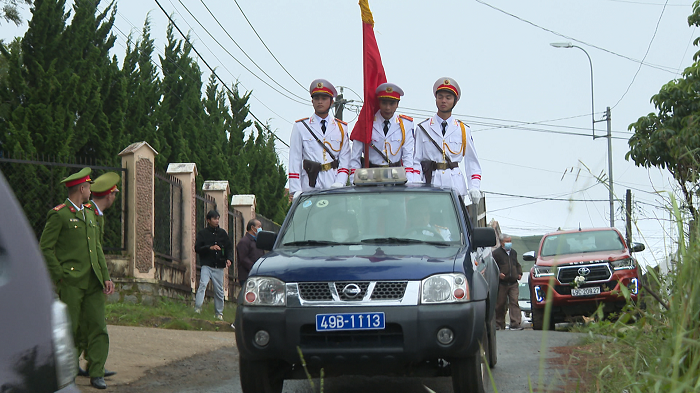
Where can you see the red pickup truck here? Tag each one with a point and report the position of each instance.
(586, 268)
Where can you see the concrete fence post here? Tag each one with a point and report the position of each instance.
(186, 173)
(139, 159)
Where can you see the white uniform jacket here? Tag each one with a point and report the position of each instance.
(457, 144)
(304, 146)
(397, 145)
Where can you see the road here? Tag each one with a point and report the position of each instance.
(216, 371)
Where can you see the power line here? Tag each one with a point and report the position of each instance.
(656, 29)
(548, 199)
(261, 40)
(215, 74)
(662, 68)
(300, 99)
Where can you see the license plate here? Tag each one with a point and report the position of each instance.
(350, 321)
(585, 291)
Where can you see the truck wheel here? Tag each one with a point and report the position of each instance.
(260, 376)
(469, 374)
(537, 318)
(493, 353)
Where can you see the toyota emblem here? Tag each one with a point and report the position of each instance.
(584, 271)
(351, 291)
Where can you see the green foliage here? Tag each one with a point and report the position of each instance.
(168, 314)
(9, 10)
(670, 139)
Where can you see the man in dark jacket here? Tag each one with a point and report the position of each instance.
(247, 250)
(511, 271)
(215, 251)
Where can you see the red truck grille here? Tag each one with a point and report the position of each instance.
(598, 272)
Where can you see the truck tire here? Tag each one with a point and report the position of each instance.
(259, 376)
(538, 320)
(469, 374)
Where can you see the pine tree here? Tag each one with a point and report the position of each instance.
(212, 160)
(235, 151)
(268, 174)
(180, 114)
(144, 85)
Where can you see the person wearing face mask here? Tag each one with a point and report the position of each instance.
(247, 250)
(511, 271)
(215, 251)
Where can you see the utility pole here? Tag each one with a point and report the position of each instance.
(611, 192)
(339, 105)
(628, 209)
(610, 169)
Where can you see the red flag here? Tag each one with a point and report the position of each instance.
(374, 76)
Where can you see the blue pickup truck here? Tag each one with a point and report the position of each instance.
(381, 278)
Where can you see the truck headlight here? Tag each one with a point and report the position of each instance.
(265, 291)
(445, 288)
(627, 263)
(543, 271)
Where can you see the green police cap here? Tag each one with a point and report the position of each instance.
(78, 178)
(105, 184)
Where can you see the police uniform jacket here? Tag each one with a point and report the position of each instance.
(100, 217)
(397, 145)
(457, 144)
(304, 146)
(71, 246)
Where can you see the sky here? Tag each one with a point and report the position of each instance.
(528, 104)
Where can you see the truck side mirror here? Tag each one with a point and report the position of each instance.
(483, 237)
(637, 247)
(529, 256)
(266, 240)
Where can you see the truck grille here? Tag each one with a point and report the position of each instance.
(321, 291)
(391, 337)
(599, 272)
(315, 291)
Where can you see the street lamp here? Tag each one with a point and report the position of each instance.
(567, 45)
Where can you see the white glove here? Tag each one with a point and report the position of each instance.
(337, 185)
(296, 195)
(475, 196)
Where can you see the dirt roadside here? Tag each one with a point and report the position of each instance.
(135, 352)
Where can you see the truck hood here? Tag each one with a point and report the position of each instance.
(586, 257)
(359, 262)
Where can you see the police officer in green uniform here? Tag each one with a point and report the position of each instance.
(103, 193)
(73, 253)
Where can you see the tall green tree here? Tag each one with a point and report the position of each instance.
(212, 160)
(670, 138)
(268, 175)
(144, 84)
(240, 179)
(180, 114)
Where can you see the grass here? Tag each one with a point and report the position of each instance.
(169, 314)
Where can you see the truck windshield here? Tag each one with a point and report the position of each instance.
(581, 242)
(374, 217)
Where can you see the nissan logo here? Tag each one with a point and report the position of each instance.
(584, 271)
(351, 291)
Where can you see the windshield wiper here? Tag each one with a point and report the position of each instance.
(402, 240)
(315, 243)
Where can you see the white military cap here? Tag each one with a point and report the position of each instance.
(389, 90)
(447, 84)
(322, 86)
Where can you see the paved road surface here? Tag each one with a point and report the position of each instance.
(217, 372)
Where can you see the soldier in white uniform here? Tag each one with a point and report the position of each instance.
(392, 135)
(319, 152)
(443, 143)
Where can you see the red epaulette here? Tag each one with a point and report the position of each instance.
(340, 121)
(406, 117)
(89, 206)
(301, 120)
(59, 207)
